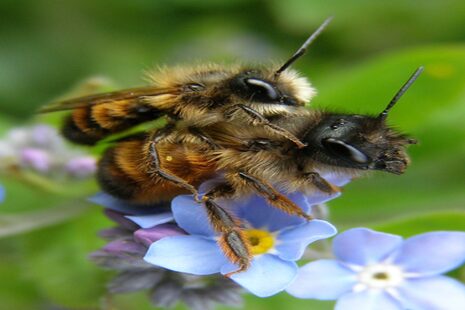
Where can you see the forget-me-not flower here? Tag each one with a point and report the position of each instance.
(128, 243)
(277, 241)
(375, 270)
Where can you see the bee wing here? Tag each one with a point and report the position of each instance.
(126, 94)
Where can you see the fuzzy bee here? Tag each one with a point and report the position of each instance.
(253, 161)
(193, 98)
(198, 96)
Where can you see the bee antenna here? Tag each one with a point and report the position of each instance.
(304, 47)
(383, 115)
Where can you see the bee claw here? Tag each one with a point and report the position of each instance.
(197, 198)
(308, 217)
(241, 269)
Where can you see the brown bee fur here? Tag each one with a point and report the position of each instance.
(199, 96)
(125, 170)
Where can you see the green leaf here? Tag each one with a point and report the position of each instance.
(368, 87)
(432, 111)
(451, 221)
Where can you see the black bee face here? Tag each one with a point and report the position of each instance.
(255, 86)
(360, 142)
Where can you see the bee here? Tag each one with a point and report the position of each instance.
(198, 95)
(193, 98)
(253, 161)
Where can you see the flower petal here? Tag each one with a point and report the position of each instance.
(191, 216)
(256, 211)
(432, 293)
(190, 254)
(2, 194)
(120, 219)
(368, 300)
(338, 179)
(110, 202)
(82, 166)
(148, 221)
(267, 275)
(150, 235)
(35, 158)
(319, 198)
(294, 240)
(124, 247)
(322, 279)
(431, 253)
(307, 201)
(362, 246)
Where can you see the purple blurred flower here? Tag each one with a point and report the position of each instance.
(147, 236)
(41, 148)
(35, 159)
(81, 167)
(278, 241)
(375, 270)
(124, 254)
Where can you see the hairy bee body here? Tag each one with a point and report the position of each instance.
(198, 96)
(245, 128)
(125, 170)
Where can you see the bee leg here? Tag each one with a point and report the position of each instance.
(204, 137)
(156, 138)
(233, 243)
(261, 120)
(319, 182)
(275, 198)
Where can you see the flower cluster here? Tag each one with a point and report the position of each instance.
(277, 240)
(172, 251)
(182, 240)
(41, 149)
(129, 242)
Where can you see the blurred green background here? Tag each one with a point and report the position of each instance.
(357, 64)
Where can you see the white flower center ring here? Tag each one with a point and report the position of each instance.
(379, 276)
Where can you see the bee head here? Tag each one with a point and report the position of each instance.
(360, 142)
(260, 86)
(277, 86)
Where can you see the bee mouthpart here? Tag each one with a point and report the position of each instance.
(392, 166)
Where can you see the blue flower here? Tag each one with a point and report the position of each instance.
(2, 194)
(279, 240)
(122, 206)
(374, 270)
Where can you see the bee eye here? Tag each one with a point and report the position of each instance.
(342, 149)
(262, 87)
(194, 87)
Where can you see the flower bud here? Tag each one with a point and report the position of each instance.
(150, 235)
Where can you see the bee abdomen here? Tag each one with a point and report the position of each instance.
(127, 170)
(90, 124)
(113, 179)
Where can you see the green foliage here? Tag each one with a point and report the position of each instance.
(357, 65)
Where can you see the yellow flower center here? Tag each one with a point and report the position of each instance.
(261, 241)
